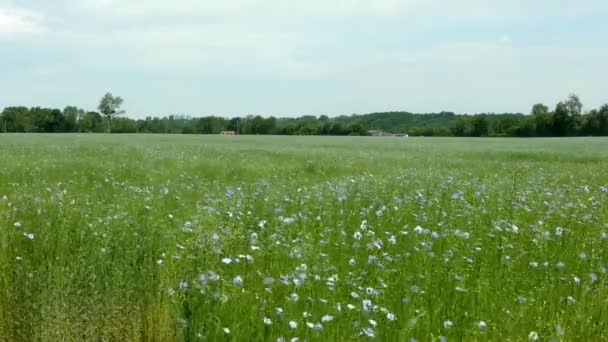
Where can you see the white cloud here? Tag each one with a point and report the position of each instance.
(15, 21)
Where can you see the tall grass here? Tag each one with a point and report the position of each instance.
(186, 238)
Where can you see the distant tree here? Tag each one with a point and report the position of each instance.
(71, 115)
(481, 126)
(603, 120)
(540, 109)
(109, 106)
(566, 119)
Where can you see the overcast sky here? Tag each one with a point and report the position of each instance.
(289, 58)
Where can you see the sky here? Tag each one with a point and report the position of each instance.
(314, 57)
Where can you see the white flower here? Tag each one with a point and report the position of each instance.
(482, 325)
(373, 323)
(226, 330)
(448, 324)
(227, 261)
(367, 304)
(170, 292)
(327, 318)
(350, 307)
(17, 224)
(29, 236)
(267, 321)
(390, 316)
(354, 295)
(293, 324)
(369, 332)
(357, 235)
(533, 336)
(237, 281)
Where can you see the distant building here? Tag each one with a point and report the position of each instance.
(381, 133)
(228, 133)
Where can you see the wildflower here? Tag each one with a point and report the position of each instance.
(293, 324)
(29, 236)
(17, 224)
(373, 323)
(170, 292)
(593, 277)
(226, 330)
(369, 332)
(357, 235)
(390, 316)
(482, 324)
(267, 321)
(327, 318)
(350, 307)
(237, 281)
(367, 304)
(533, 336)
(448, 324)
(227, 261)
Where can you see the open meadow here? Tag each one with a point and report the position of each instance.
(214, 238)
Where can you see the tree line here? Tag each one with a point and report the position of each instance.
(566, 119)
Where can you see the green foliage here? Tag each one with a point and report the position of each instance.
(568, 119)
(109, 106)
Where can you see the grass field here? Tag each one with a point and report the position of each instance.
(188, 238)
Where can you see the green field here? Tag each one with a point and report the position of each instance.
(211, 238)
